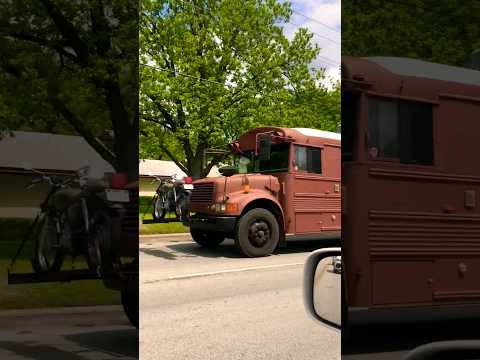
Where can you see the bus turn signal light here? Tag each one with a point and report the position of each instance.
(232, 207)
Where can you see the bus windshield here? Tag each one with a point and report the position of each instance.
(247, 162)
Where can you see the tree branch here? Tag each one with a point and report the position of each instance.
(166, 115)
(42, 42)
(67, 30)
(174, 159)
(80, 127)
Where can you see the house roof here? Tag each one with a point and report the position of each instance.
(50, 152)
(149, 167)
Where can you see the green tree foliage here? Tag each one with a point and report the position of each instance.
(439, 31)
(72, 67)
(219, 68)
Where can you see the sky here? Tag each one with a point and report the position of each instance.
(325, 23)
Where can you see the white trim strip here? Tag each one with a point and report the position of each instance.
(228, 271)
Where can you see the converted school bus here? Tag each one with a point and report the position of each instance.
(286, 185)
(410, 184)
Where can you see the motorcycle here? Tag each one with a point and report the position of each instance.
(79, 216)
(172, 195)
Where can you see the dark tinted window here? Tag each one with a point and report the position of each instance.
(278, 161)
(308, 159)
(401, 130)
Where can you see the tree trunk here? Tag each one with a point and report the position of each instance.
(196, 165)
(127, 155)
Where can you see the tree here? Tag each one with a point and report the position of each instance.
(213, 69)
(72, 67)
(447, 31)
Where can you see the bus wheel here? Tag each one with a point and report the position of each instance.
(207, 239)
(257, 233)
(130, 306)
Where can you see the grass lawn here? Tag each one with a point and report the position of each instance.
(169, 228)
(78, 293)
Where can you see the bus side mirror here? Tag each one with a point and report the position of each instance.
(265, 147)
(227, 171)
(322, 286)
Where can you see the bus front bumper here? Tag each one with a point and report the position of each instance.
(225, 224)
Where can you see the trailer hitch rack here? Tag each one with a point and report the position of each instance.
(60, 276)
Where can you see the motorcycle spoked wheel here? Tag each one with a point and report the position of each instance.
(160, 206)
(47, 253)
(181, 208)
(100, 252)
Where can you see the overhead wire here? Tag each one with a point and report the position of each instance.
(315, 20)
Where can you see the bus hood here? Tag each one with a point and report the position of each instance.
(221, 189)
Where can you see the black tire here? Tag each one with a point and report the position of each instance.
(100, 254)
(159, 211)
(130, 306)
(257, 233)
(47, 254)
(207, 239)
(181, 208)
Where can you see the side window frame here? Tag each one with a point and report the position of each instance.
(402, 146)
(307, 170)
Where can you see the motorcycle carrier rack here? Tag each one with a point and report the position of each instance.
(122, 277)
(60, 276)
(159, 221)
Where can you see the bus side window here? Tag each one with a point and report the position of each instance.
(308, 159)
(401, 130)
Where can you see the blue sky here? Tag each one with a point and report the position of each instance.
(325, 23)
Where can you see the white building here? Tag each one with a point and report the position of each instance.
(149, 169)
(52, 154)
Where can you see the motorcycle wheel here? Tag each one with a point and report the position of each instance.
(47, 253)
(99, 244)
(181, 208)
(159, 208)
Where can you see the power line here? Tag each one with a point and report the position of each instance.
(313, 32)
(175, 72)
(315, 20)
(328, 60)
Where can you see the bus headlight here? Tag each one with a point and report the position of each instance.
(226, 207)
(220, 207)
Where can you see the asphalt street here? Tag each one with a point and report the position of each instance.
(212, 304)
(86, 333)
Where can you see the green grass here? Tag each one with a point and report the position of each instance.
(78, 293)
(145, 211)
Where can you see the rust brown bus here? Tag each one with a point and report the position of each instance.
(410, 184)
(285, 185)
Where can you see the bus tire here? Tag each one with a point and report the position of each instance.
(257, 233)
(130, 306)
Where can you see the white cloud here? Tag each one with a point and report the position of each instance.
(324, 22)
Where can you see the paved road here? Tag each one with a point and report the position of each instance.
(90, 333)
(201, 304)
